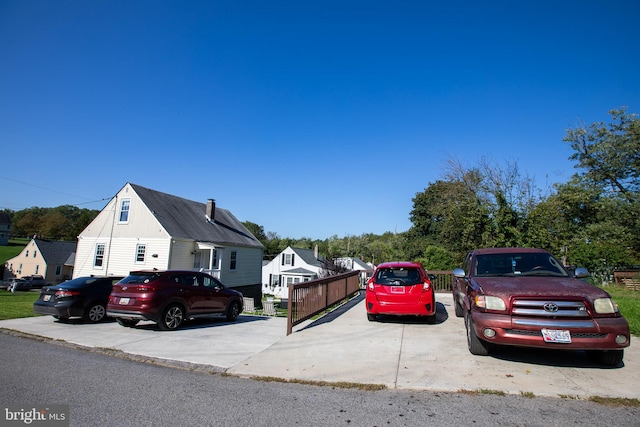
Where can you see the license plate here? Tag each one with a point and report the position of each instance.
(397, 289)
(46, 298)
(124, 301)
(556, 335)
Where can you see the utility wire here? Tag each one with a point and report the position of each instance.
(56, 191)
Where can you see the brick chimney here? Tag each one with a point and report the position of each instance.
(211, 209)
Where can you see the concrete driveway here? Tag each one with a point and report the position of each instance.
(344, 347)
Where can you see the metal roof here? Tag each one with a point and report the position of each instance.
(187, 219)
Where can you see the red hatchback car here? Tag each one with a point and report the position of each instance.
(400, 289)
(171, 297)
(525, 297)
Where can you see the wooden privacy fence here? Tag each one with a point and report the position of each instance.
(310, 298)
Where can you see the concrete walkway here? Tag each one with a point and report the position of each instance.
(345, 347)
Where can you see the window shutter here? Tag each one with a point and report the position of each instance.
(282, 259)
(293, 256)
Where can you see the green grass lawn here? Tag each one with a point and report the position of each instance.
(629, 304)
(13, 249)
(18, 304)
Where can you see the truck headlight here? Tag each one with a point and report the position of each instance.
(605, 306)
(490, 303)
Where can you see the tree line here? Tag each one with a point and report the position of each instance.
(59, 223)
(593, 220)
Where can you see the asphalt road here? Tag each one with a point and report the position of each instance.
(104, 390)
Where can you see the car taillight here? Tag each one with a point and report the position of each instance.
(426, 285)
(370, 284)
(65, 293)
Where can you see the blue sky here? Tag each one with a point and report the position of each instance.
(309, 118)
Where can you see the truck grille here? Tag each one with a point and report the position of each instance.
(595, 335)
(547, 308)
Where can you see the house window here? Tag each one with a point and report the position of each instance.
(35, 253)
(289, 281)
(234, 260)
(275, 280)
(215, 259)
(58, 270)
(124, 210)
(288, 259)
(26, 254)
(37, 268)
(99, 257)
(140, 253)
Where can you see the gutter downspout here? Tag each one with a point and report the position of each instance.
(115, 206)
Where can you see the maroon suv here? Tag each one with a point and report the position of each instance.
(525, 297)
(170, 297)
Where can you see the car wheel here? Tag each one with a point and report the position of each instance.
(233, 311)
(476, 346)
(128, 323)
(606, 357)
(171, 318)
(458, 307)
(371, 317)
(95, 313)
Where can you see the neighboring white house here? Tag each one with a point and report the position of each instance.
(356, 264)
(292, 265)
(144, 229)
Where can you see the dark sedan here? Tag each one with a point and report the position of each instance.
(84, 297)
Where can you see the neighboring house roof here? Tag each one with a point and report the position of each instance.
(299, 271)
(55, 253)
(308, 256)
(71, 260)
(354, 263)
(186, 219)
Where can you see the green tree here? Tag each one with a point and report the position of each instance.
(609, 155)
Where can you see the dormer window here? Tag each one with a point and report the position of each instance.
(125, 204)
(288, 259)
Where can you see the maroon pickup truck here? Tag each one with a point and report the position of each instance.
(525, 297)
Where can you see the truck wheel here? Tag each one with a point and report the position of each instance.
(606, 357)
(476, 346)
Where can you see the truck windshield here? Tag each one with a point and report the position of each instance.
(518, 264)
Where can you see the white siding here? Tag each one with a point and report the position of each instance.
(120, 256)
(248, 268)
(181, 255)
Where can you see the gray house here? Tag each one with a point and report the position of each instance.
(5, 228)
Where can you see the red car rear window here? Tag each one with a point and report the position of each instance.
(138, 278)
(398, 276)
